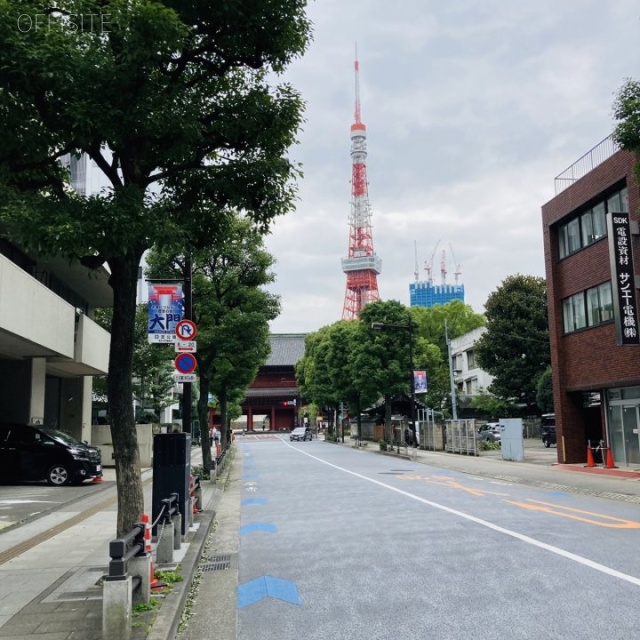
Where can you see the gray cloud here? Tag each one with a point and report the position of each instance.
(471, 110)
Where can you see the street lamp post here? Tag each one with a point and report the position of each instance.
(380, 326)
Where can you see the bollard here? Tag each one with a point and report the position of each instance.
(177, 528)
(165, 546)
(117, 602)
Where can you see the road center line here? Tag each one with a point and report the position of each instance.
(484, 523)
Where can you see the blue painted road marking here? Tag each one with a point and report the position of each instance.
(254, 501)
(267, 586)
(257, 526)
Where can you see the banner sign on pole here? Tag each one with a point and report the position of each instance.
(420, 381)
(165, 311)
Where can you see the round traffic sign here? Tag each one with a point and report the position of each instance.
(185, 363)
(186, 330)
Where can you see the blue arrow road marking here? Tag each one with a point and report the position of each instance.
(259, 588)
(254, 501)
(257, 526)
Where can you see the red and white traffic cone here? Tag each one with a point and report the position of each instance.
(97, 480)
(154, 583)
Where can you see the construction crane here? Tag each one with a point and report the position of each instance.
(428, 265)
(443, 267)
(458, 270)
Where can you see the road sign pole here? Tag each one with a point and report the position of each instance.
(188, 314)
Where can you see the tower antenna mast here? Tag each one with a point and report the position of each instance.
(362, 265)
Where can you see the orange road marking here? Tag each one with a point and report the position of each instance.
(568, 512)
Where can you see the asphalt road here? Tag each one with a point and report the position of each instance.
(334, 542)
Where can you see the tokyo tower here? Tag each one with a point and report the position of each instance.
(362, 265)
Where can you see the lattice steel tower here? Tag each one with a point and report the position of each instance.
(362, 265)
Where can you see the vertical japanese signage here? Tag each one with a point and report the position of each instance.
(165, 311)
(622, 279)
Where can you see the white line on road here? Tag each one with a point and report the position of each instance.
(514, 534)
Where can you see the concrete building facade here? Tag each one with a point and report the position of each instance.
(49, 344)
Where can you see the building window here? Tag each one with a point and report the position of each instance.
(588, 308)
(591, 225)
(471, 359)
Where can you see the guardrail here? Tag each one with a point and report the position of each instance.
(131, 572)
(129, 578)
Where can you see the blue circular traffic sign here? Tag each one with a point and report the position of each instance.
(185, 363)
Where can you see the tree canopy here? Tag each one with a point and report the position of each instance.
(232, 313)
(515, 347)
(177, 106)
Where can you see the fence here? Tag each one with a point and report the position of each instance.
(129, 576)
(131, 568)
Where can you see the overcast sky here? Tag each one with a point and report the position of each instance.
(471, 111)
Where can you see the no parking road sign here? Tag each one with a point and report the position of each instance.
(185, 363)
(186, 330)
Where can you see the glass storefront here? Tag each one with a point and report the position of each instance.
(623, 417)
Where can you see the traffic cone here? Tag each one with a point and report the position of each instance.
(97, 480)
(590, 462)
(154, 583)
(610, 464)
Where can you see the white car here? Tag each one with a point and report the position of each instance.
(300, 433)
(490, 432)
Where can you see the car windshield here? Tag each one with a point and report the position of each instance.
(59, 436)
(299, 430)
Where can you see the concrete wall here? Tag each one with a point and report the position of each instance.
(101, 438)
(30, 310)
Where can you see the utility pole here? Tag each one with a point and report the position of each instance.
(454, 404)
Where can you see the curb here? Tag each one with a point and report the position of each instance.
(165, 626)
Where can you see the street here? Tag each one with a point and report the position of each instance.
(336, 542)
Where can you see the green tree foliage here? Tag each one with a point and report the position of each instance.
(544, 392)
(626, 110)
(515, 347)
(177, 106)
(459, 318)
(232, 313)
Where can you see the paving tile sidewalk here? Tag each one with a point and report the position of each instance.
(51, 591)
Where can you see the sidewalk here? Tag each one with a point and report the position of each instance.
(539, 468)
(52, 567)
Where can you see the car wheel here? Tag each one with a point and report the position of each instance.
(547, 442)
(58, 475)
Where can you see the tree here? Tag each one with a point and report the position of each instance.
(175, 104)
(544, 391)
(232, 313)
(626, 109)
(515, 347)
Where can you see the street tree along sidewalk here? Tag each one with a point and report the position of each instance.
(174, 103)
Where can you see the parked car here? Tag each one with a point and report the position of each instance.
(490, 432)
(300, 433)
(548, 429)
(29, 452)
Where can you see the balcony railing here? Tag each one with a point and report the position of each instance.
(586, 163)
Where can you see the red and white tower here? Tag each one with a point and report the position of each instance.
(362, 265)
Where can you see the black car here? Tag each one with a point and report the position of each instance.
(548, 429)
(29, 452)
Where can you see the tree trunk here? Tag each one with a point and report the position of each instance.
(203, 418)
(224, 422)
(123, 280)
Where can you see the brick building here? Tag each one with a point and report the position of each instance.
(591, 247)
